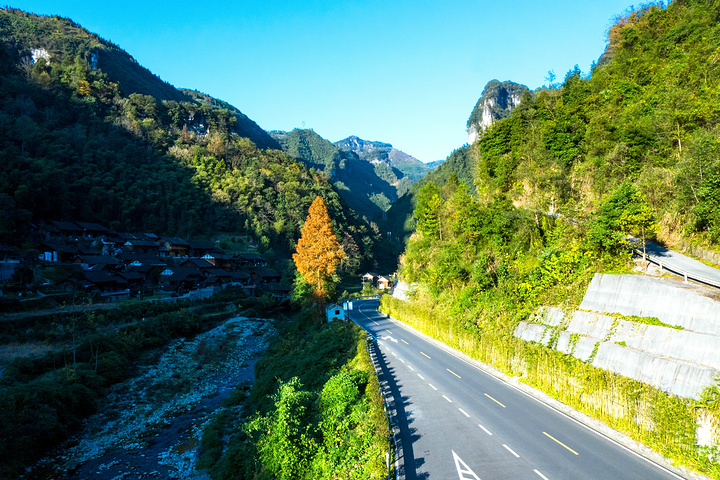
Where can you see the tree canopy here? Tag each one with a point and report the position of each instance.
(318, 251)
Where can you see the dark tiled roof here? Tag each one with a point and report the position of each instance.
(239, 275)
(69, 226)
(219, 272)
(96, 227)
(176, 241)
(142, 243)
(250, 257)
(58, 247)
(182, 273)
(130, 276)
(199, 262)
(99, 259)
(267, 273)
(102, 277)
(7, 248)
(202, 245)
(127, 236)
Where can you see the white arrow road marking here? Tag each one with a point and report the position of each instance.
(388, 337)
(464, 472)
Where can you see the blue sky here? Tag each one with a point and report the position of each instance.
(403, 72)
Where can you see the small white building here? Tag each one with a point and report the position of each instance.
(335, 312)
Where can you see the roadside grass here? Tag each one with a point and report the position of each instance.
(314, 412)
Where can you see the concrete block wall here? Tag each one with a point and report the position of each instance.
(671, 301)
(681, 362)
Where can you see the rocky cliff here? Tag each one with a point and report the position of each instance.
(498, 99)
(380, 152)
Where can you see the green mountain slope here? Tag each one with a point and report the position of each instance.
(648, 116)
(23, 33)
(73, 146)
(460, 166)
(370, 194)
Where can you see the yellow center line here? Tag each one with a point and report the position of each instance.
(453, 373)
(558, 441)
(388, 331)
(491, 398)
(425, 354)
(376, 323)
(406, 343)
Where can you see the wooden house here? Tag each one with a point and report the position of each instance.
(370, 278)
(92, 230)
(177, 247)
(56, 252)
(265, 276)
(251, 260)
(147, 247)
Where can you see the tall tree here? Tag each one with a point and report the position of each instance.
(318, 251)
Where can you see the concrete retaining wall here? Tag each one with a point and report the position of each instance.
(673, 302)
(673, 375)
(670, 375)
(680, 361)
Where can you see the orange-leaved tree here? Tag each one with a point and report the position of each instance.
(318, 252)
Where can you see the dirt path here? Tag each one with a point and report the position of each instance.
(152, 424)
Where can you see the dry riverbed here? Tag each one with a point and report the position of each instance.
(151, 425)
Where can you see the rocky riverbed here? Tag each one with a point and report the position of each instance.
(150, 426)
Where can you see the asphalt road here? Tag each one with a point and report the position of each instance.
(680, 261)
(457, 422)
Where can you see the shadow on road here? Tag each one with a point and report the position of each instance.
(409, 463)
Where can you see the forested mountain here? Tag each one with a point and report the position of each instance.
(460, 166)
(368, 188)
(648, 117)
(131, 152)
(387, 159)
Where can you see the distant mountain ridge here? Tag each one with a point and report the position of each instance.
(369, 175)
(376, 152)
(356, 180)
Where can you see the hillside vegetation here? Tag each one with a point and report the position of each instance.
(460, 164)
(630, 149)
(315, 411)
(370, 176)
(76, 143)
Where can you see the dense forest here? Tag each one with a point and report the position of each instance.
(75, 144)
(400, 219)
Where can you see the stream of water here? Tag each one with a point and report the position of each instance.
(152, 424)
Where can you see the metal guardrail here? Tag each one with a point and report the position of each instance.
(679, 271)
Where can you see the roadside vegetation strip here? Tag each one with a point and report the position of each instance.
(664, 423)
(325, 418)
